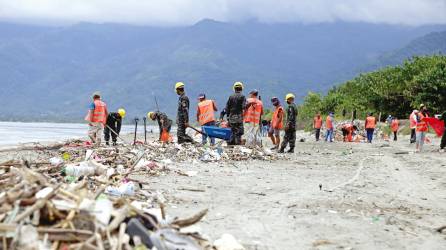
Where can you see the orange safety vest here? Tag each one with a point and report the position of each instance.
(422, 125)
(253, 113)
(206, 109)
(394, 125)
(371, 122)
(348, 127)
(276, 124)
(413, 122)
(317, 122)
(328, 123)
(99, 112)
(349, 136)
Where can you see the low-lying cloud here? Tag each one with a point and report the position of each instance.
(185, 12)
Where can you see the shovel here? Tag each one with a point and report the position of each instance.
(145, 129)
(114, 132)
(136, 130)
(198, 131)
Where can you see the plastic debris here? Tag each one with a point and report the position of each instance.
(56, 161)
(227, 242)
(76, 197)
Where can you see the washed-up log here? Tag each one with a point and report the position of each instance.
(190, 221)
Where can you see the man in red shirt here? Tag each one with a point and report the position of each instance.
(317, 125)
(276, 123)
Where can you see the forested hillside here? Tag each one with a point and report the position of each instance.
(395, 90)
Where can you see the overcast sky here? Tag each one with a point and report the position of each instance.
(185, 12)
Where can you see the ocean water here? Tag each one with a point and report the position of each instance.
(13, 133)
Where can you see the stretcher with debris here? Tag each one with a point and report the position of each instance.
(217, 132)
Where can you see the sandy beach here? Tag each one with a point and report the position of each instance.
(326, 196)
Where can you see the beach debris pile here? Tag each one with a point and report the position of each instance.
(160, 153)
(39, 211)
(78, 197)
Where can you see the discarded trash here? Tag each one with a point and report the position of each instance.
(43, 192)
(103, 209)
(85, 198)
(227, 242)
(191, 173)
(66, 156)
(136, 228)
(56, 161)
(84, 169)
(125, 189)
(77, 216)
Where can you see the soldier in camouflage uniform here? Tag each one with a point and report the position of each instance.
(235, 108)
(290, 125)
(182, 114)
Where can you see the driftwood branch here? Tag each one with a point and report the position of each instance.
(190, 221)
(38, 205)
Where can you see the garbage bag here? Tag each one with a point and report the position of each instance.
(170, 239)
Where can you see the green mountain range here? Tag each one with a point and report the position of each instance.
(49, 73)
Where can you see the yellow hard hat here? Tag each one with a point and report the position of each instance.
(179, 85)
(121, 112)
(238, 85)
(149, 115)
(288, 96)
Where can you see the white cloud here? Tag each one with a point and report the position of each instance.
(185, 12)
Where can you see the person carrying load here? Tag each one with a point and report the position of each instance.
(206, 116)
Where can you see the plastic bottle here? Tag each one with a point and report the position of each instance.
(56, 161)
(83, 169)
(125, 189)
(103, 209)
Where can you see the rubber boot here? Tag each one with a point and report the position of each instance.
(282, 150)
(107, 143)
(291, 150)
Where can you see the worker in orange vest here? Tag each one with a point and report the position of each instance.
(394, 125)
(347, 132)
(276, 123)
(422, 127)
(205, 115)
(253, 113)
(413, 125)
(329, 126)
(370, 125)
(96, 117)
(317, 125)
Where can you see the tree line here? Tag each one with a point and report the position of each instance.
(394, 90)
